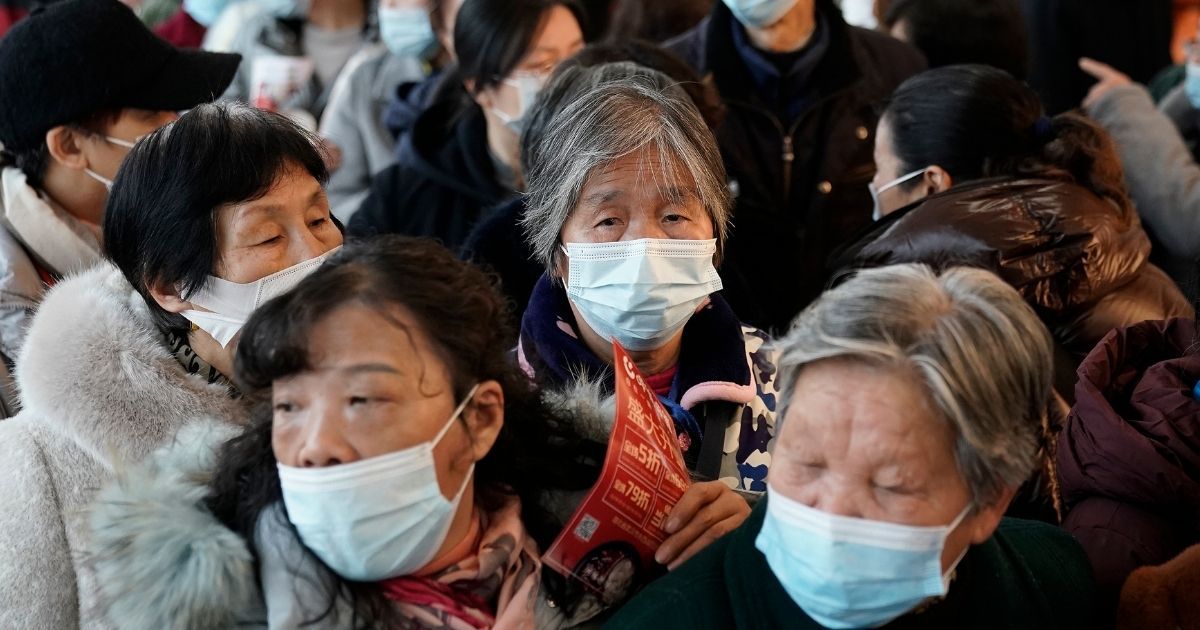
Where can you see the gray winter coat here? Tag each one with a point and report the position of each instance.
(32, 226)
(100, 391)
(353, 120)
(1163, 177)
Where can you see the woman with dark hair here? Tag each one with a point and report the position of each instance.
(394, 475)
(971, 171)
(208, 216)
(497, 241)
(463, 155)
(413, 45)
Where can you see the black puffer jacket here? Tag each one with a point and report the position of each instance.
(1080, 261)
(800, 185)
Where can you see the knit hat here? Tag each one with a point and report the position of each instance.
(74, 58)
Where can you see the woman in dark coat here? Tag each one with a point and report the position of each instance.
(1129, 456)
(971, 172)
(462, 157)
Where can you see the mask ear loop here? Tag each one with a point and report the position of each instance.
(446, 429)
(457, 412)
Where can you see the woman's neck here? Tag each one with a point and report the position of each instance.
(211, 352)
(649, 362)
(790, 33)
(336, 15)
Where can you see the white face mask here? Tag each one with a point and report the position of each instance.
(528, 86)
(407, 32)
(377, 518)
(230, 304)
(108, 183)
(641, 292)
(877, 211)
(852, 572)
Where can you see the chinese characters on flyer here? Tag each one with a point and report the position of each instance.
(609, 543)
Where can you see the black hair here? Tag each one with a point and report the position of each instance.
(160, 222)
(646, 54)
(492, 36)
(34, 162)
(656, 20)
(458, 308)
(990, 32)
(977, 121)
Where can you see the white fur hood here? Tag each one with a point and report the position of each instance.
(95, 368)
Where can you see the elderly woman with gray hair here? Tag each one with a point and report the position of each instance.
(628, 212)
(912, 409)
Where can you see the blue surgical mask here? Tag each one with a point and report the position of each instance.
(759, 13)
(528, 86)
(641, 292)
(406, 32)
(205, 12)
(285, 8)
(877, 210)
(1191, 84)
(850, 572)
(377, 518)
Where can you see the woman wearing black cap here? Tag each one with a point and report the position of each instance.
(82, 81)
(209, 217)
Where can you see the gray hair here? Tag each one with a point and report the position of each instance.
(980, 351)
(621, 109)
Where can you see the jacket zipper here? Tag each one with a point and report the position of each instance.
(788, 156)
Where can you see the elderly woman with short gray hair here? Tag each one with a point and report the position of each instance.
(912, 409)
(628, 210)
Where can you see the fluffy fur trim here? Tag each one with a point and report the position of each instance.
(95, 368)
(161, 560)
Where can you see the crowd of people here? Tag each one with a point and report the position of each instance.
(310, 311)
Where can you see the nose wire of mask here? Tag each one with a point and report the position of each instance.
(229, 304)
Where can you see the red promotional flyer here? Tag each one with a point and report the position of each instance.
(609, 543)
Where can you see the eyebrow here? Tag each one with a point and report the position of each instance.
(369, 368)
(602, 197)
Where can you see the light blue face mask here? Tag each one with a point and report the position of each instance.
(1191, 84)
(407, 32)
(641, 292)
(205, 12)
(285, 8)
(851, 572)
(759, 13)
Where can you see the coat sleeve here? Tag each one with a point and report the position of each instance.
(1163, 177)
(37, 576)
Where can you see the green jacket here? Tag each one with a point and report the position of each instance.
(1029, 575)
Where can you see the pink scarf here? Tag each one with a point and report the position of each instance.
(494, 588)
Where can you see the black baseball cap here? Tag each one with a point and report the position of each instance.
(74, 58)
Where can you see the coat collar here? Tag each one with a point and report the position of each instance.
(58, 241)
(837, 69)
(96, 369)
(713, 364)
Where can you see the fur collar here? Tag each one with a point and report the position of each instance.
(161, 559)
(96, 369)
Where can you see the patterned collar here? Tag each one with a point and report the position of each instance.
(193, 364)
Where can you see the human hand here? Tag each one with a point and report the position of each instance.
(706, 512)
(1108, 79)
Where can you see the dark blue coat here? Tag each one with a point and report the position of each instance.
(801, 184)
